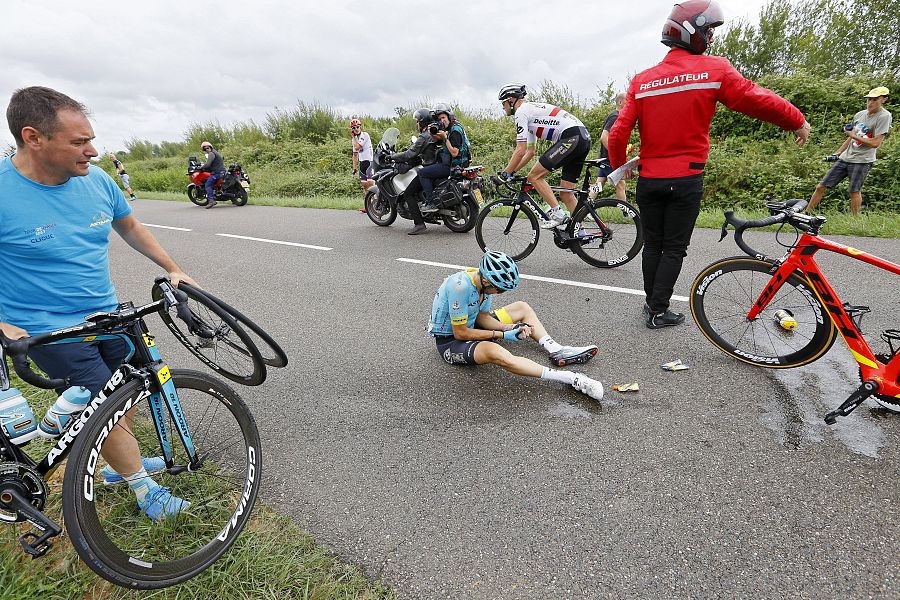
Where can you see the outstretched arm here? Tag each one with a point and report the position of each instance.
(138, 237)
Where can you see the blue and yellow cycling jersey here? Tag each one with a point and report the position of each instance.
(456, 303)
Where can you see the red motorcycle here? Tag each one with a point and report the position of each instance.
(234, 185)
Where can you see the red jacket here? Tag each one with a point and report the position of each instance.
(673, 104)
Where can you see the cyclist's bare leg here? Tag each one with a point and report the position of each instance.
(855, 203)
(120, 450)
(495, 354)
(521, 312)
(620, 190)
(568, 198)
(816, 197)
(536, 177)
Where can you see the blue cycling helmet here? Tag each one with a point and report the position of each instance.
(500, 270)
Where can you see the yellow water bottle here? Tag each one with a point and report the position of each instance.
(785, 319)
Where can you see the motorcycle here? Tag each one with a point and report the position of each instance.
(234, 185)
(458, 197)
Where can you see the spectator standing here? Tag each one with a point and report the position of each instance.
(673, 104)
(362, 156)
(604, 171)
(123, 175)
(856, 155)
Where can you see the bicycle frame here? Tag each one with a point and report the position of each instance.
(801, 260)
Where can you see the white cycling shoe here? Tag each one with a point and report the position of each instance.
(587, 386)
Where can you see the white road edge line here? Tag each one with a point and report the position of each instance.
(167, 227)
(256, 239)
(593, 286)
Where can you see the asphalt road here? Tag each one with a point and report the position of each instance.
(719, 481)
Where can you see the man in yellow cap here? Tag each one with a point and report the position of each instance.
(856, 155)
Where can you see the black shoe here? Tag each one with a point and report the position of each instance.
(646, 309)
(420, 228)
(664, 319)
(429, 208)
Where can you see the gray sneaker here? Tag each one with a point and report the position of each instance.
(554, 221)
(573, 355)
(587, 386)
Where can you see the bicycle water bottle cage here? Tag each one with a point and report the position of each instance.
(856, 313)
(891, 336)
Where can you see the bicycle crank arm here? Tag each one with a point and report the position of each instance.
(33, 544)
(867, 388)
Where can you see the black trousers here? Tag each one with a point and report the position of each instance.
(669, 209)
(411, 197)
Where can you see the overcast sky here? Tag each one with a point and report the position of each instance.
(149, 69)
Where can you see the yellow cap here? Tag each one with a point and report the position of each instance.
(878, 92)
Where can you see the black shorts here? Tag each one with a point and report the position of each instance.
(365, 170)
(569, 153)
(855, 171)
(456, 352)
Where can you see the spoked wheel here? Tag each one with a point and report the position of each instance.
(504, 227)
(622, 239)
(197, 194)
(272, 354)
(214, 337)
(722, 295)
(380, 210)
(208, 505)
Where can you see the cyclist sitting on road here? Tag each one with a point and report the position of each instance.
(462, 318)
(571, 144)
(452, 151)
(424, 147)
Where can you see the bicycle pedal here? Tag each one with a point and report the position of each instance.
(36, 545)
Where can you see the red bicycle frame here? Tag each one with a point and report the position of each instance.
(801, 260)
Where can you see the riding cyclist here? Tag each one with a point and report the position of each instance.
(452, 151)
(571, 144)
(462, 318)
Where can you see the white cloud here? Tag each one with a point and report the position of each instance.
(150, 69)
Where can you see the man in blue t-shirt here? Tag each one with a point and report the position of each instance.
(466, 327)
(56, 214)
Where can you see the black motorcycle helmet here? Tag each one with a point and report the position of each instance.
(422, 117)
(690, 25)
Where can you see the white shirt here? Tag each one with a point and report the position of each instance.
(362, 145)
(536, 120)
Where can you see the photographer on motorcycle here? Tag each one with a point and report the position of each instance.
(216, 168)
(453, 151)
(424, 147)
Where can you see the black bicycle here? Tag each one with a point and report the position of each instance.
(198, 426)
(604, 233)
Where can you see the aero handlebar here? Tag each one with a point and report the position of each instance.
(781, 212)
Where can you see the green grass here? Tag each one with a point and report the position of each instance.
(272, 558)
(869, 224)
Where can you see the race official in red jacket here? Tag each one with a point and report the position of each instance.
(673, 104)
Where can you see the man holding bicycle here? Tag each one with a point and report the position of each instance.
(571, 144)
(466, 328)
(56, 214)
(673, 104)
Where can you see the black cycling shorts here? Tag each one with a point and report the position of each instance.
(569, 153)
(456, 352)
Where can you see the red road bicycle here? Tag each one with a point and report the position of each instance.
(782, 313)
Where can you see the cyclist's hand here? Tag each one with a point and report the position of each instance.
(504, 175)
(802, 133)
(177, 277)
(13, 332)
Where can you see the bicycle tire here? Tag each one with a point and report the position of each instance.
(230, 352)
(272, 354)
(120, 543)
(724, 291)
(624, 244)
(519, 242)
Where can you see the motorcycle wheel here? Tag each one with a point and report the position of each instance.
(197, 195)
(381, 212)
(464, 215)
(240, 197)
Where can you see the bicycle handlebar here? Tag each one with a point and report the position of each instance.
(98, 322)
(780, 212)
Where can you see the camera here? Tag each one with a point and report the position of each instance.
(433, 128)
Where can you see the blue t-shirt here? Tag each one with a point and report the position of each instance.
(54, 248)
(456, 303)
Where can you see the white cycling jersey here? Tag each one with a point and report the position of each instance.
(536, 120)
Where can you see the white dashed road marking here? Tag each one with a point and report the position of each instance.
(256, 239)
(593, 286)
(167, 227)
